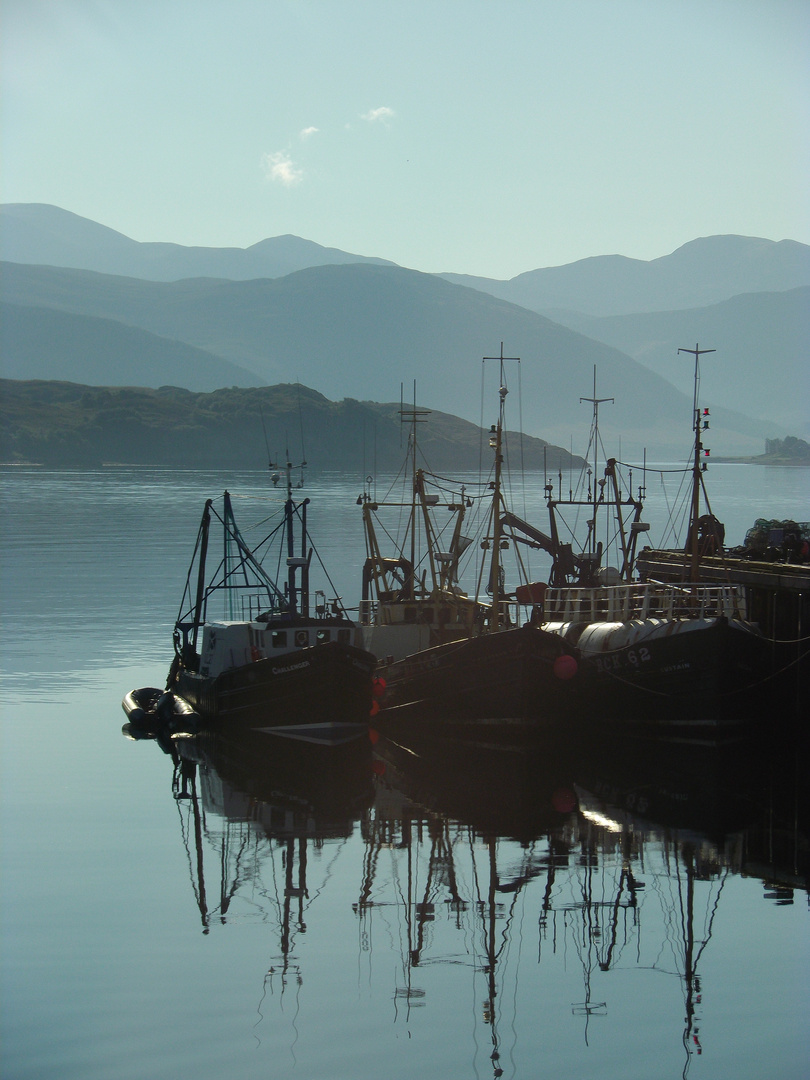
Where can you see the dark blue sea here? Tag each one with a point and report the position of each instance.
(249, 910)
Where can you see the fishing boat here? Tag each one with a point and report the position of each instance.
(270, 657)
(447, 656)
(675, 659)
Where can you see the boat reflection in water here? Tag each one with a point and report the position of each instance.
(596, 844)
(243, 797)
(540, 882)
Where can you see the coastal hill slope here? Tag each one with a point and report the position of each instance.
(63, 424)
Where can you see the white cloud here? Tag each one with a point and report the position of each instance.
(378, 116)
(307, 132)
(280, 168)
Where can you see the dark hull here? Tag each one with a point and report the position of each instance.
(706, 685)
(312, 690)
(505, 680)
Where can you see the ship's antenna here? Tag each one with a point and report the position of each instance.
(270, 464)
(496, 444)
(301, 428)
(699, 424)
(412, 416)
(596, 403)
(643, 477)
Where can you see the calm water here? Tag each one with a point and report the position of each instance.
(240, 911)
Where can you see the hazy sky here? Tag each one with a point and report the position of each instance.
(477, 136)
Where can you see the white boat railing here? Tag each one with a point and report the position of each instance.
(436, 613)
(609, 603)
(510, 614)
(252, 605)
(652, 600)
(367, 610)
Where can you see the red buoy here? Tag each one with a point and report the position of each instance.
(565, 667)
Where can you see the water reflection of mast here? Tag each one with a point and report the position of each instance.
(419, 913)
(185, 778)
(270, 800)
(598, 941)
(687, 859)
(691, 866)
(490, 1014)
(293, 890)
(184, 787)
(431, 840)
(456, 809)
(492, 954)
(494, 910)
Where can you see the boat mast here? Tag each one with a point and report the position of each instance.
(698, 426)
(628, 546)
(449, 569)
(205, 525)
(415, 416)
(496, 444)
(595, 436)
(296, 562)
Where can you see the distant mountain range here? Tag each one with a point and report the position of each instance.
(50, 236)
(355, 327)
(761, 365)
(704, 271)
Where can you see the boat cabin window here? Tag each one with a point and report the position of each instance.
(344, 637)
(322, 635)
(279, 639)
(301, 639)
